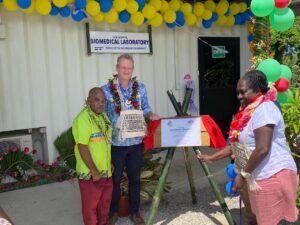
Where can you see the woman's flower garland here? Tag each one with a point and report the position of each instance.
(113, 87)
(244, 114)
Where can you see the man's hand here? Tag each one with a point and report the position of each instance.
(95, 175)
(152, 116)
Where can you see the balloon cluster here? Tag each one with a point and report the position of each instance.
(155, 12)
(232, 175)
(280, 15)
(280, 75)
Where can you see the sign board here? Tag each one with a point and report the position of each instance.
(181, 132)
(119, 42)
(218, 52)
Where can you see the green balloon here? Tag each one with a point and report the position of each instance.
(286, 72)
(262, 8)
(271, 68)
(282, 19)
(284, 97)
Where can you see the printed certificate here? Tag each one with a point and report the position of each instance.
(181, 132)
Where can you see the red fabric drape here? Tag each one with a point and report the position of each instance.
(217, 139)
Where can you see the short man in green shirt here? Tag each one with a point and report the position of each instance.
(92, 132)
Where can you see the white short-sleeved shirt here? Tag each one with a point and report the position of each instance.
(279, 157)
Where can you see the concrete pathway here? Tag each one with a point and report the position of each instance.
(59, 203)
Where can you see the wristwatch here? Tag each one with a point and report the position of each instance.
(245, 175)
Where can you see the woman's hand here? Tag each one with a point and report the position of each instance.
(239, 183)
(205, 158)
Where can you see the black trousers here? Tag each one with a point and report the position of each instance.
(129, 157)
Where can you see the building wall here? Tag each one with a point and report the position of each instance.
(45, 72)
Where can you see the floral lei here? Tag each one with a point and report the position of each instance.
(244, 114)
(108, 127)
(134, 99)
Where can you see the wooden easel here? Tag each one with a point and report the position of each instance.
(181, 111)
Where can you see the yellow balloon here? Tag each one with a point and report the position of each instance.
(132, 6)
(234, 8)
(148, 11)
(190, 19)
(156, 4)
(93, 8)
(175, 4)
(31, 8)
(60, 3)
(221, 20)
(71, 1)
(43, 7)
(243, 7)
(170, 16)
(225, 1)
(10, 5)
(221, 8)
(230, 21)
(207, 14)
(186, 8)
(156, 20)
(111, 16)
(211, 5)
(137, 19)
(119, 5)
(99, 17)
(198, 9)
(164, 6)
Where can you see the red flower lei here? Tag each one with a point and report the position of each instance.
(115, 95)
(244, 114)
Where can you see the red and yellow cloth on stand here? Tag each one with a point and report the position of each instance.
(210, 132)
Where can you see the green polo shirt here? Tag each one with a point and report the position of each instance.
(86, 132)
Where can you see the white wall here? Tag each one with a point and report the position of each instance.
(45, 73)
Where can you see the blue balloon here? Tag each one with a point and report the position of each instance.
(245, 16)
(238, 20)
(54, 10)
(230, 171)
(250, 37)
(24, 4)
(214, 17)
(78, 15)
(124, 16)
(228, 188)
(80, 4)
(206, 23)
(105, 5)
(180, 19)
(179, 16)
(171, 25)
(141, 4)
(145, 20)
(1, 1)
(65, 11)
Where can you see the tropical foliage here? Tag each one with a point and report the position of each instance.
(20, 168)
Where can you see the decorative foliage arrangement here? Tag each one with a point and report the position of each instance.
(154, 12)
(19, 168)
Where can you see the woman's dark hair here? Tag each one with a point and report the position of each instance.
(256, 81)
